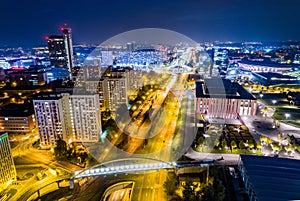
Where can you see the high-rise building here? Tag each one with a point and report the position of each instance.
(106, 58)
(67, 36)
(86, 117)
(134, 80)
(57, 51)
(73, 118)
(221, 59)
(8, 172)
(114, 86)
(114, 92)
(50, 118)
(61, 50)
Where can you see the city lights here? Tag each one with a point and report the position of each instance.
(90, 109)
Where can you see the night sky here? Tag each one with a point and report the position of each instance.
(26, 23)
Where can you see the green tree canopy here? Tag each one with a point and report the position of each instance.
(233, 144)
(60, 150)
(241, 145)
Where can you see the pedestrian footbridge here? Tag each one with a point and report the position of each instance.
(126, 165)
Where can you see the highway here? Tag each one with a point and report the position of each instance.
(162, 145)
(164, 142)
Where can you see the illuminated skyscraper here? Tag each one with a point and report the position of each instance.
(67, 35)
(57, 52)
(8, 172)
(61, 50)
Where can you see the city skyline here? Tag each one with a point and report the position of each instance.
(150, 100)
(97, 21)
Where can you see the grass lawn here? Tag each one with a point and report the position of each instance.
(281, 111)
(293, 123)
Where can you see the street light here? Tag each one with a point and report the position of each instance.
(287, 115)
(274, 102)
(261, 95)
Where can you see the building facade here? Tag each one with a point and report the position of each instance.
(61, 50)
(221, 99)
(85, 117)
(254, 66)
(49, 112)
(16, 118)
(115, 86)
(114, 92)
(57, 51)
(8, 172)
(72, 118)
(67, 36)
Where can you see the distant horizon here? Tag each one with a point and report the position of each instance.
(95, 45)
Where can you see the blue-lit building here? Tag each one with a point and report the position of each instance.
(259, 66)
(270, 178)
(269, 78)
(36, 75)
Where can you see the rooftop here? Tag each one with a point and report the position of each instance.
(47, 96)
(221, 88)
(270, 75)
(16, 110)
(268, 64)
(273, 178)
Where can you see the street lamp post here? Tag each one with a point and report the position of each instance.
(261, 95)
(287, 115)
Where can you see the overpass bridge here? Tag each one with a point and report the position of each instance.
(125, 165)
(134, 165)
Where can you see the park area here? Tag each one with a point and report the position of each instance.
(289, 115)
(225, 139)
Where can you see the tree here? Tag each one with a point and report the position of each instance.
(189, 192)
(241, 145)
(171, 185)
(200, 140)
(276, 146)
(258, 146)
(265, 139)
(217, 143)
(215, 192)
(224, 143)
(280, 137)
(208, 193)
(251, 143)
(60, 150)
(219, 190)
(233, 144)
(289, 147)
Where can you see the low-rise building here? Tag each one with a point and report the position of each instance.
(17, 118)
(222, 99)
(270, 178)
(275, 78)
(258, 66)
